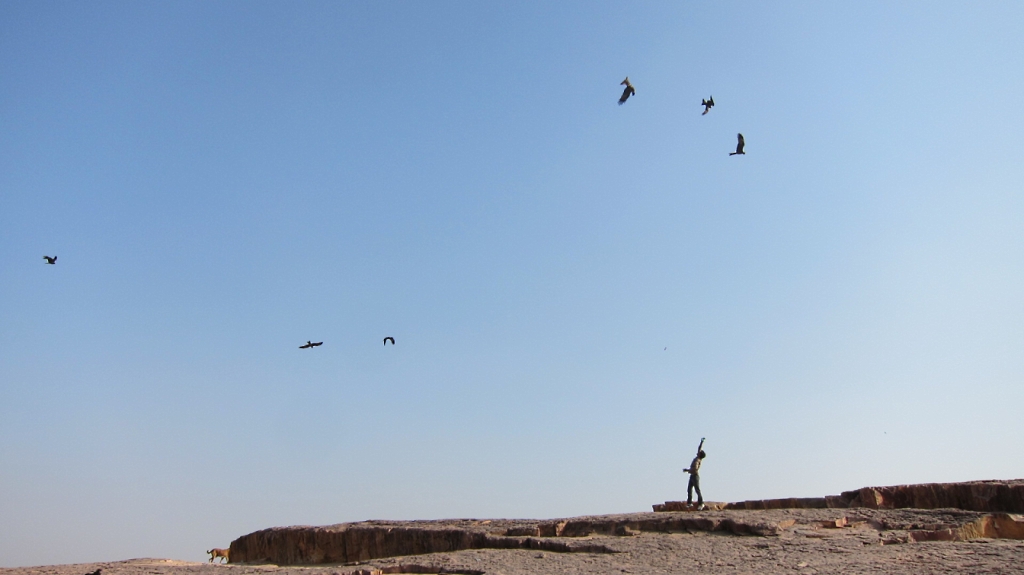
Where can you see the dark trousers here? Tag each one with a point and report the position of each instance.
(694, 484)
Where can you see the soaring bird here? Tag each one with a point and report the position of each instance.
(51, 261)
(708, 104)
(629, 91)
(389, 338)
(739, 145)
(310, 344)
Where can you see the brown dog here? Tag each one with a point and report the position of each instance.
(215, 553)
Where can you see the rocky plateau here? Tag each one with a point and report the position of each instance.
(973, 527)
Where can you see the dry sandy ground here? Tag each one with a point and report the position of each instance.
(803, 548)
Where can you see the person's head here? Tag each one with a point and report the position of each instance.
(700, 454)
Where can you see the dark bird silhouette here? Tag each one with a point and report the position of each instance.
(708, 104)
(629, 91)
(52, 261)
(389, 338)
(310, 344)
(739, 145)
(96, 572)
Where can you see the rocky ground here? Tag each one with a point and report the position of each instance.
(972, 527)
(765, 542)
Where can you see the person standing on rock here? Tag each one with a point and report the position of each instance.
(694, 472)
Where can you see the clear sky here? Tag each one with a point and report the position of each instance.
(221, 181)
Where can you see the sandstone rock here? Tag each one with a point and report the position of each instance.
(990, 496)
(552, 529)
(997, 496)
(836, 502)
(959, 511)
(424, 569)
(995, 526)
(791, 503)
(355, 542)
(351, 542)
(683, 506)
(835, 524)
(522, 532)
(850, 550)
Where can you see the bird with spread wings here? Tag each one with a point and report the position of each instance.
(629, 91)
(310, 344)
(708, 104)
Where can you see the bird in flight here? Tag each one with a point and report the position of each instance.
(389, 338)
(310, 344)
(629, 91)
(739, 145)
(708, 104)
(50, 260)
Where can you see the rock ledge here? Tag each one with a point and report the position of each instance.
(989, 496)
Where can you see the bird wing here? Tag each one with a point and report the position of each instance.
(626, 94)
(304, 346)
(711, 101)
(739, 143)
(317, 343)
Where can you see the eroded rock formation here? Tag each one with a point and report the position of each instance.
(898, 514)
(989, 496)
(354, 542)
(995, 496)
(351, 542)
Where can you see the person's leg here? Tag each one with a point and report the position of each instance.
(695, 479)
(689, 490)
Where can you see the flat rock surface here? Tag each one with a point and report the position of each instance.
(804, 541)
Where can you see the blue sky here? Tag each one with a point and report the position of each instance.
(223, 181)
